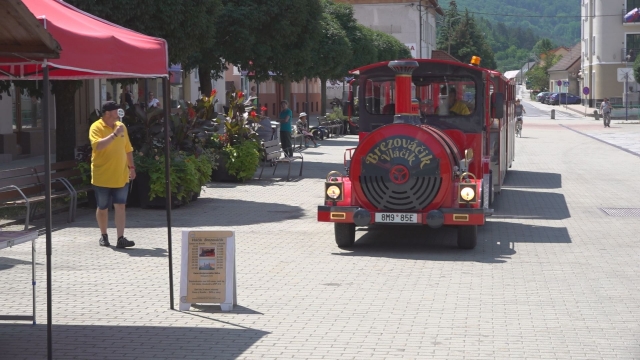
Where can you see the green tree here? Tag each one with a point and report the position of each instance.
(539, 75)
(542, 47)
(636, 68)
(449, 23)
(468, 41)
(332, 52)
(284, 33)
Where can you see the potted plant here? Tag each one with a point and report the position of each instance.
(239, 146)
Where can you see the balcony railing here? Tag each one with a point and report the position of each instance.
(629, 55)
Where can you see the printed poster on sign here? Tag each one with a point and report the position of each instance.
(208, 268)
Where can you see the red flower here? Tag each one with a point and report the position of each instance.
(214, 92)
(240, 94)
(253, 114)
(264, 108)
(191, 113)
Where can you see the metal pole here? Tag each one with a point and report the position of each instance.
(420, 28)
(167, 165)
(626, 97)
(47, 200)
(306, 101)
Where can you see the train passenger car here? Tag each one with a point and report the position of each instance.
(435, 142)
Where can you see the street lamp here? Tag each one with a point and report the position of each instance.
(449, 30)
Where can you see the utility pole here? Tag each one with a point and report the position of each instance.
(420, 28)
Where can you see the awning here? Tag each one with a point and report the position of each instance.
(92, 48)
(22, 35)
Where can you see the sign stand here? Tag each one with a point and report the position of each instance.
(208, 269)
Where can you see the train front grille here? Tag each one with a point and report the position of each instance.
(415, 194)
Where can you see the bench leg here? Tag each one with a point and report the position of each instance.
(261, 170)
(275, 168)
(289, 172)
(26, 221)
(301, 165)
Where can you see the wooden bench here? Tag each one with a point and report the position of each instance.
(272, 155)
(65, 178)
(23, 187)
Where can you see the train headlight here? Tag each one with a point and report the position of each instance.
(333, 192)
(334, 187)
(467, 194)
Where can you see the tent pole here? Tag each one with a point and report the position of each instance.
(167, 164)
(47, 197)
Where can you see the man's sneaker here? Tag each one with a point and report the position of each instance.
(124, 243)
(104, 240)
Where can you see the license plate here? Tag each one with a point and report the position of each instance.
(401, 218)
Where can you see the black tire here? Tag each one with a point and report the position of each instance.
(467, 237)
(345, 234)
(317, 134)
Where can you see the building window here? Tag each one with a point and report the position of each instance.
(26, 110)
(632, 4)
(633, 46)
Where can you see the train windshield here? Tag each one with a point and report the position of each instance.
(441, 101)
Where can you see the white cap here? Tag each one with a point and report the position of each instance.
(302, 114)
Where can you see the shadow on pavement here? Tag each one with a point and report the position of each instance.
(496, 242)
(139, 252)
(532, 180)
(518, 204)
(214, 212)
(7, 263)
(126, 342)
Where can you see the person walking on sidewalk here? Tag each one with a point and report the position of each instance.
(605, 110)
(112, 168)
(285, 119)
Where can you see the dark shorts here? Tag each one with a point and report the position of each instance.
(105, 197)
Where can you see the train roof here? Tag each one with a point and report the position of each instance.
(492, 73)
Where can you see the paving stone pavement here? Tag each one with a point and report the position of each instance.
(552, 277)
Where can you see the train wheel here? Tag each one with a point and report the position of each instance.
(345, 234)
(467, 236)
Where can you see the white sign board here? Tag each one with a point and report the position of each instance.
(412, 48)
(625, 72)
(208, 269)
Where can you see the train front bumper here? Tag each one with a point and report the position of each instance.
(433, 218)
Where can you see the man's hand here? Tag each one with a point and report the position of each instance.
(132, 173)
(119, 130)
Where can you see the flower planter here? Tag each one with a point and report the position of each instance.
(140, 195)
(221, 174)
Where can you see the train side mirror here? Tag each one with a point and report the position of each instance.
(497, 105)
(347, 109)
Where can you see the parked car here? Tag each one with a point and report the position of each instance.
(564, 98)
(547, 98)
(541, 95)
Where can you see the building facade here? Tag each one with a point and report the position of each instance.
(608, 44)
(413, 22)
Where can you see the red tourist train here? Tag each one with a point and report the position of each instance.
(435, 141)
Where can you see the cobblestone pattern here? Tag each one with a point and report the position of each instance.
(552, 276)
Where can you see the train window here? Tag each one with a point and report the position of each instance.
(379, 97)
(445, 96)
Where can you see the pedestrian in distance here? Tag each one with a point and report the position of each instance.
(153, 101)
(519, 110)
(302, 129)
(605, 110)
(285, 118)
(112, 168)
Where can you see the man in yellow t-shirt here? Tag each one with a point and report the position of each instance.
(456, 106)
(111, 168)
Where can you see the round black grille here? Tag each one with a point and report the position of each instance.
(415, 194)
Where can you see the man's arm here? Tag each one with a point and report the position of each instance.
(131, 164)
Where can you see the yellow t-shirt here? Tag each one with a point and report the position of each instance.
(109, 167)
(459, 108)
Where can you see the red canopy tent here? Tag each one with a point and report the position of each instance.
(91, 48)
